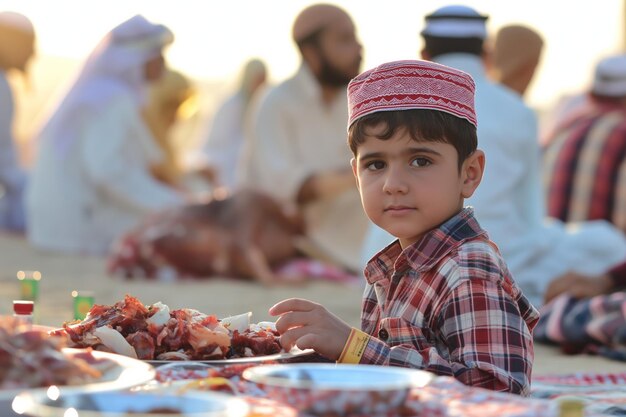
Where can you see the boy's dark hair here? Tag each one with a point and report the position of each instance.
(422, 125)
(437, 45)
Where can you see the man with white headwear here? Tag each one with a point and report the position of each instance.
(297, 149)
(509, 204)
(585, 167)
(17, 42)
(92, 178)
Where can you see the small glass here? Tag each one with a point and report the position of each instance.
(29, 284)
(23, 310)
(83, 301)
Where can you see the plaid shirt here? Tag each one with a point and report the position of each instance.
(585, 168)
(447, 304)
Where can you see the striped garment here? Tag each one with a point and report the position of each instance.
(592, 325)
(585, 167)
(448, 304)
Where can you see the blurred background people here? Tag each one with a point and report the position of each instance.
(225, 140)
(170, 99)
(297, 149)
(509, 204)
(17, 47)
(585, 167)
(516, 54)
(92, 179)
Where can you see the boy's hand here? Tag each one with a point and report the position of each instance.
(309, 325)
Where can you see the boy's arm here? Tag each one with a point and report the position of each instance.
(489, 343)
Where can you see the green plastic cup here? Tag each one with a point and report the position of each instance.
(29, 284)
(83, 301)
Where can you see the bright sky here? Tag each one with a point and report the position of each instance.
(213, 38)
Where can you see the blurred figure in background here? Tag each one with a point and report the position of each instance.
(92, 179)
(297, 149)
(169, 100)
(516, 54)
(17, 46)
(585, 168)
(225, 140)
(509, 204)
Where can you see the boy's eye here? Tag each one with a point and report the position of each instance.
(374, 165)
(420, 162)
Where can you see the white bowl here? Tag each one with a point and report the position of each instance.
(131, 404)
(342, 389)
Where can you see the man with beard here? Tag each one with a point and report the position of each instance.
(297, 146)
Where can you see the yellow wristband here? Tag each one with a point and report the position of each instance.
(354, 347)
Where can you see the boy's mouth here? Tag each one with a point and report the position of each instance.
(398, 208)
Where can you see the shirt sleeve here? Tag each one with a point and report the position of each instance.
(116, 158)
(489, 343)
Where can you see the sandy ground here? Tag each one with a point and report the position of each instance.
(61, 274)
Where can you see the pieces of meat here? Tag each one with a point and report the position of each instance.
(260, 343)
(187, 334)
(143, 343)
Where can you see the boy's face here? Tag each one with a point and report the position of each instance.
(408, 187)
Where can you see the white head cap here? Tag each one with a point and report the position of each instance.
(456, 22)
(610, 77)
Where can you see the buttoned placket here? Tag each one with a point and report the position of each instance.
(394, 284)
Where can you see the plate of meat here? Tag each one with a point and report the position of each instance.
(158, 335)
(33, 361)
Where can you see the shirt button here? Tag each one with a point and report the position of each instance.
(383, 334)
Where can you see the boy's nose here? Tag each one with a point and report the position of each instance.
(395, 183)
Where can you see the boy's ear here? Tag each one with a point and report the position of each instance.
(472, 173)
(356, 177)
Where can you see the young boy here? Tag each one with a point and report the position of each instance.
(440, 297)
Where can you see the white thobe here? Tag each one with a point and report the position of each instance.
(294, 135)
(226, 138)
(84, 195)
(509, 202)
(12, 176)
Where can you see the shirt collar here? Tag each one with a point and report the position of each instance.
(426, 252)
(470, 63)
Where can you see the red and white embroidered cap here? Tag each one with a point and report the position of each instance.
(410, 85)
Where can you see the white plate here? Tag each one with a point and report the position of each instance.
(137, 404)
(127, 373)
(322, 389)
(338, 377)
(278, 357)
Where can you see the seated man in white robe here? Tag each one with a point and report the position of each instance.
(92, 180)
(297, 150)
